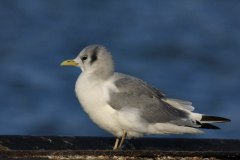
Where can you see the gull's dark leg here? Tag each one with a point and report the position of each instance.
(116, 144)
(123, 138)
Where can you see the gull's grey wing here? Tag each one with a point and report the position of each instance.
(136, 93)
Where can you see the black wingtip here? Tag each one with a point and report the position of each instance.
(214, 119)
(208, 126)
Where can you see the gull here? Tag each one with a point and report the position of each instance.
(128, 107)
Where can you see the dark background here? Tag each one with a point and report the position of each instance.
(188, 49)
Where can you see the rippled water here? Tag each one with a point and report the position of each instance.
(188, 49)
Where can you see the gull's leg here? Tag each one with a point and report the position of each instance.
(116, 144)
(123, 138)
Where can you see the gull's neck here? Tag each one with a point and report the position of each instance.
(96, 76)
(101, 71)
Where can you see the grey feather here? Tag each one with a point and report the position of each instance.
(136, 93)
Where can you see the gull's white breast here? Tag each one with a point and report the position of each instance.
(93, 96)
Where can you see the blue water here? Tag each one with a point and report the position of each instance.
(188, 49)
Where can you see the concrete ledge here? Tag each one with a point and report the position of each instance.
(103, 154)
(59, 147)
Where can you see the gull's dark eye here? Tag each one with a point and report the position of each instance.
(84, 58)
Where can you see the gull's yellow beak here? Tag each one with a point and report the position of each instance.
(69, 63)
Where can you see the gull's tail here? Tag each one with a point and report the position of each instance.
(197, 120)
(204, 120)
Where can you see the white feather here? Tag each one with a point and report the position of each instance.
(179, 104)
